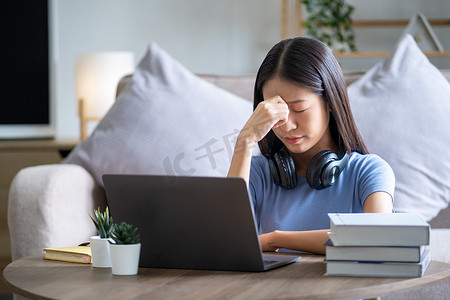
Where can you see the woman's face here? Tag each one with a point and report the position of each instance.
(306, 130)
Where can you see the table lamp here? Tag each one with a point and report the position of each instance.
(97, 76)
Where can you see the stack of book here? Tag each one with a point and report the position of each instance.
(377, 245)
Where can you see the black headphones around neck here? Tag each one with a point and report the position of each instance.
(322, 172)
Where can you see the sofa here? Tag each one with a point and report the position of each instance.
(49, 205)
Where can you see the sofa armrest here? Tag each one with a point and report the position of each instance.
(49, 206)
(440, 244)
(442, 220)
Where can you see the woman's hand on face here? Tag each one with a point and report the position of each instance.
(270, 113)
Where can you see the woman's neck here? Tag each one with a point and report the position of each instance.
(302, 160)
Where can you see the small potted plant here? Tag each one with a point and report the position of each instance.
(126, 250)
(100, 250)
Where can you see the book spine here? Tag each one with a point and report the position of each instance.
(379, 236)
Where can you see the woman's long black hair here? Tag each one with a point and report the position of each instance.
(310, 64)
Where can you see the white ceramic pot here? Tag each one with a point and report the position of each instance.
(101, 257)
(125, 258)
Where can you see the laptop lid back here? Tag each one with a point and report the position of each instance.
(188, 222)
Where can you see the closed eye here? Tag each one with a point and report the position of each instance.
(299, 106)
(299, 110)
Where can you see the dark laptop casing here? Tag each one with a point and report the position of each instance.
(190, 222)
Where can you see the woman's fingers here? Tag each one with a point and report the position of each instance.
(279, 123)
(269, 114)
(278, 108)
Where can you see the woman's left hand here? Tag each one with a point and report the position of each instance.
(266, 241)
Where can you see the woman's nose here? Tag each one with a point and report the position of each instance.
(291, 123)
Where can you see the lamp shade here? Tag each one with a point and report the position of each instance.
(97, 75)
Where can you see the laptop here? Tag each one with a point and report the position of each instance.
(203, 223)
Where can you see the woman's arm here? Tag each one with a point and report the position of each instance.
(242, 156)
(312, 241)
(309, 241)
(379, 202)
(267, 115)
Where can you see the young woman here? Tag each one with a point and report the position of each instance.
(314, 160)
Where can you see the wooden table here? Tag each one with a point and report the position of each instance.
(36, 278)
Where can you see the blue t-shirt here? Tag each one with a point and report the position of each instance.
(304, 208)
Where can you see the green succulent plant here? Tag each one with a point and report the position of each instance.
(103, 222)
(125, 234)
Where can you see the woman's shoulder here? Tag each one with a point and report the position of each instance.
(259, 159)
(259, 162)
(357, 161)
(357, 157)
(368, 162)
(371, 173)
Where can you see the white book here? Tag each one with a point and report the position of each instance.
(375, 253)
(378, 229)
(380, 269)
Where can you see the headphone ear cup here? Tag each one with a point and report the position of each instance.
(274, 171)
(314, 172)
(289, 176)
(282, 168)
(333, 169)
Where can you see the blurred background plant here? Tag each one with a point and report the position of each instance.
(330, 21)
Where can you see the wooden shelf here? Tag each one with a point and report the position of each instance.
(391, 23)
(63, 144)
(396, 23)
(293, 25)
(386, 53)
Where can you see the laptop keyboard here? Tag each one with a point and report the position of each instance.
(268, 261)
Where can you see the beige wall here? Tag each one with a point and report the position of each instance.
(207, 36)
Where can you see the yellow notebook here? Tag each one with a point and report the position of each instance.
(78, 254)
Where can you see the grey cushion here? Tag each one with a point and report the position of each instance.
(165, 121)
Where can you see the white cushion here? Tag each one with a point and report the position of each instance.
(166, 121)
(402, 108)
